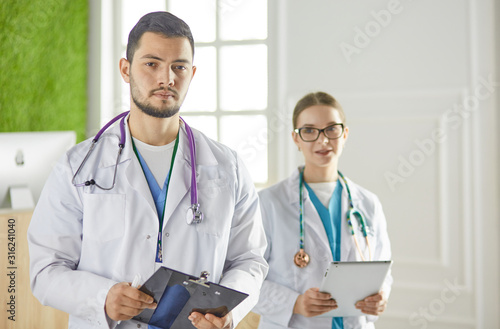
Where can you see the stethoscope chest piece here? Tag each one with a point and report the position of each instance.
(301, 258)
(194, 215)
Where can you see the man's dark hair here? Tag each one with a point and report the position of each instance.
(160, 22)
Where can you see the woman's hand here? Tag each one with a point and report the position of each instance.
(312, 303)
(373, 305)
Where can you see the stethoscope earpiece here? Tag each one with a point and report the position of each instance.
(90, 182)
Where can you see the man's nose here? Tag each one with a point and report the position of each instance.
(166, 77)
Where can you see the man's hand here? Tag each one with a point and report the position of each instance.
(313, 303)
(373, 305)
(124, 302)
(210, 321)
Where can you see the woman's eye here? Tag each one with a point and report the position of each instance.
(307, 130)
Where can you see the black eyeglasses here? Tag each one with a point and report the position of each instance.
(310, 134)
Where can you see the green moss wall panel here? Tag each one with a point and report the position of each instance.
(43, 65)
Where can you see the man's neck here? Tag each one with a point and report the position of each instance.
(151, 130)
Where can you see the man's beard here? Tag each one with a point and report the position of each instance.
(149, 109)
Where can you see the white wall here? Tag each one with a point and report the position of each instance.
(431, 160)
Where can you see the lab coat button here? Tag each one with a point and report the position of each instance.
(148, 236)
(167, 234)
(138, 325)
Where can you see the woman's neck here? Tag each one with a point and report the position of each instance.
(320, 174)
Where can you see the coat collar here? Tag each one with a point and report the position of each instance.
(313, 226)
(314, 221)
(180, 181)
(348, 248)
(204, 155)
(181, 174)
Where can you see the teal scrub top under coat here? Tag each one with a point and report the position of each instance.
(159, 194)
(331, 219)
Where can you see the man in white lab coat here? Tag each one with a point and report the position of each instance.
(87, 243)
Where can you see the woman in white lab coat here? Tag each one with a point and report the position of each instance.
(290, 297)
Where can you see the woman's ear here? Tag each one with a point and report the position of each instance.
(345, 134)
(296, 138)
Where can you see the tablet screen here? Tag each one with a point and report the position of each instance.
(350, 282)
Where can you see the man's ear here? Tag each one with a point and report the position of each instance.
(194, 71)
(125, 70)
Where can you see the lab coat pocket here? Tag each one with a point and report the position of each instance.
(216, 205)
(211, 188)
(103, 216)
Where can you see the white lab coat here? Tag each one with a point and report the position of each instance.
(285, 281)
(83, 240)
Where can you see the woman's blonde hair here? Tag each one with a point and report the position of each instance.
(317, 98)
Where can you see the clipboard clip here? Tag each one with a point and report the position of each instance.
(203, 279)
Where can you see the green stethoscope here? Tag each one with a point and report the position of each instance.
(301, 258)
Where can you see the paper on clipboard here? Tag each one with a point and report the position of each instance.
(179, 294)
(350, 282)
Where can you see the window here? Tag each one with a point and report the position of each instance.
(228, 97)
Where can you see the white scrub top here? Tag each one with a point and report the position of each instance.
(83, 240)
(285, 281)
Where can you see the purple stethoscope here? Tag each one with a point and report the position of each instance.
(194, 215)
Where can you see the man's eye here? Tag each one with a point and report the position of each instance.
(180, 67)
(150, 64)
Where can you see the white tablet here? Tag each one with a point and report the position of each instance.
(350, 282)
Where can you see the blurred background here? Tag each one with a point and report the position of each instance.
(418, 80)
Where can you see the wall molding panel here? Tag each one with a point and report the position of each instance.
(420, 102)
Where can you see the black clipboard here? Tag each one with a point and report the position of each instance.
(179, 294)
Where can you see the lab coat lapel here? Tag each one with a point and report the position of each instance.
(180, 183)
(313, 226)
(112, 138)
(293, 191)
(347, 243)
(134, 173)
(180, 178)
